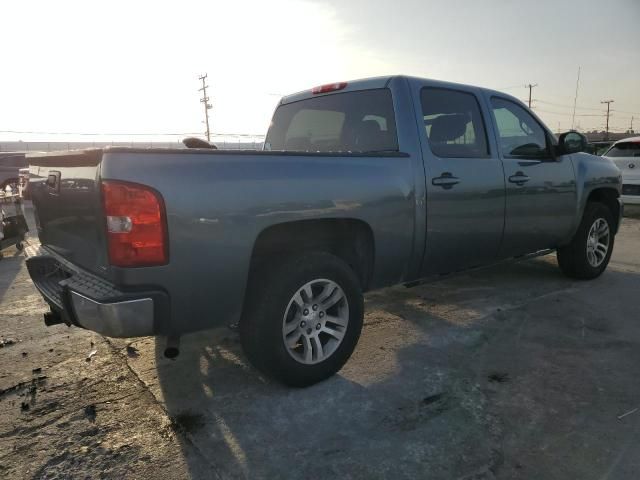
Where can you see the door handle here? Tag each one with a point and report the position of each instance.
(519, 178)
(445, 180)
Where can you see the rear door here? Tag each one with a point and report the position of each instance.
(464, 180)
(541, 201)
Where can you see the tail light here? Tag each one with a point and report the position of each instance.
(136, 225)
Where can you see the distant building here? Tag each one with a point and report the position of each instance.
(595, 136)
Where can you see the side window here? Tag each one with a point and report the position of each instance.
(453, 123)
(521, 136)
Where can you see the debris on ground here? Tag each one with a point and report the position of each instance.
(432, 398)
(91, 354)
(36, 370)
(498, 377)
(90, 412)
(132, 351)
(630, 412)
(5, 342)
(187, 422)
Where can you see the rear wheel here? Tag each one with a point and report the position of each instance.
(303, 318)
(588, 254)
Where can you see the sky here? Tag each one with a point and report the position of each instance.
(126, 70)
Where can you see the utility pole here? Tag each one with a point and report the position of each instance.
(205, 101)
(530, 87)
(631, 127)
(608, 102)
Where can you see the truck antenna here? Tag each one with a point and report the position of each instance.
(575, 100)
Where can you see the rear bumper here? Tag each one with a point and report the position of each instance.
(82, 299)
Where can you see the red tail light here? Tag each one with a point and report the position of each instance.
(329, 87)
(136, 225)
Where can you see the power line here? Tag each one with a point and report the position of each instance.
(623, 111)
(567, 106)
(564, 114)
(205, 101)
(510, 87)
(608, 102)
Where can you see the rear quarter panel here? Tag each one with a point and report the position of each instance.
(218, 203)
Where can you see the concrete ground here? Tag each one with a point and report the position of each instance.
(511, 372)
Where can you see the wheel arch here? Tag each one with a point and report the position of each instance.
(350, 239)
(610, 198)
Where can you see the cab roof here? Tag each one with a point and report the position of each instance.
(381, 82)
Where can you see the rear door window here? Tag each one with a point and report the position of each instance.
(453, 123)
(362, 122)
(624, 149)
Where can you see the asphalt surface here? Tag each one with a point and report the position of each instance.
(510, 372)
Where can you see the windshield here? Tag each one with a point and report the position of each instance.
(624, 149)
(361, 121)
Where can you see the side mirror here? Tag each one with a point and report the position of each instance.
(571, 142)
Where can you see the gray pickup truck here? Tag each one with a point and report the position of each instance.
(360, 185)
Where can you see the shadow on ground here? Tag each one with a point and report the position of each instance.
(513, 372)
(10, 265)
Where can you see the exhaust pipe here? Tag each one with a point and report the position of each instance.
(172, 347)
(52, 318)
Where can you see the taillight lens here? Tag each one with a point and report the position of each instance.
(136, 225)
(329, 87)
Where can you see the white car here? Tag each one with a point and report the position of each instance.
(626, 155)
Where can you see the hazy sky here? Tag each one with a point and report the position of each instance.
(132, 66)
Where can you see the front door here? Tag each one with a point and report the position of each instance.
(464, 180)
(541, 189)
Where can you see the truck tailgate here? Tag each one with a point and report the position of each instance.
(66, 195)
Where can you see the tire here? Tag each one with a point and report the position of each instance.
(576, 260)
(271, 311)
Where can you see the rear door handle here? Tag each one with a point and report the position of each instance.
(519, 178)
(446, 181)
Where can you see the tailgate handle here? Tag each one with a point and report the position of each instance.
(53, 181)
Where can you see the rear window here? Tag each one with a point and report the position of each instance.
(624, 149)
(362, 122)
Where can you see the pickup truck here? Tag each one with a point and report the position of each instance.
(360, 185)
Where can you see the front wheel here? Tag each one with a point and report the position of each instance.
(302, 318)
(589, 252)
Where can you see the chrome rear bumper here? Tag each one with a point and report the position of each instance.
(131, 318)
(80, 298)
